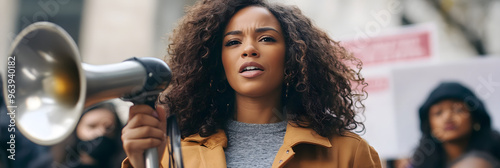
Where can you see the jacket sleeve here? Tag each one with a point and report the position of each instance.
(366, 156)
(126, 164)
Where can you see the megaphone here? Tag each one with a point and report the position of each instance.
(47, 87)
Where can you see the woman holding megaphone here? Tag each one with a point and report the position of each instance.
(255, 85)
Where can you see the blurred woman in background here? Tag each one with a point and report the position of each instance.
(96, 141)
(453, 121)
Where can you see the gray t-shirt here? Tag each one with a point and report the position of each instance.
(253, 145)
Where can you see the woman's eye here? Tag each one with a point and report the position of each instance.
(268, 39)
(232, 42)
(436, 113)
(109, 129)
(458, 110)
(92, 126)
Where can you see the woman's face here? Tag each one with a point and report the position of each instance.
(96, 123)
(450, 120)
(253, 52)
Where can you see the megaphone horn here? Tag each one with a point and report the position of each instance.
(48, 87)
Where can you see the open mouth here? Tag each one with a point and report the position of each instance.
(251, 66)
(251, 69)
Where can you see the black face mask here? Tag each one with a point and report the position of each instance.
(101, 148)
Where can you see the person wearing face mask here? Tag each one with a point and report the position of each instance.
(97, 140)
(453, 121)
(255, 85)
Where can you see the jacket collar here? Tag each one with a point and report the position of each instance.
(217, 139)
(294, 135)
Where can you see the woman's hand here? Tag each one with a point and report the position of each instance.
(146, 128)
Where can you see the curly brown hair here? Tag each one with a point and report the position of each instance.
(323, 92)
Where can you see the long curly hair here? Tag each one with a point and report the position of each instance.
(322, 87)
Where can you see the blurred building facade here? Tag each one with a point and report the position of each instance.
(113, 30)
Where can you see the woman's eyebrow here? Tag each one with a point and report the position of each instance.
(236, 32)
(263, 29)
(258, 30)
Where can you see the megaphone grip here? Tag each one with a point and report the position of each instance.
(151, 158)
(151, 154)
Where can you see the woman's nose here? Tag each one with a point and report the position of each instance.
(250, 50)
(447, 114)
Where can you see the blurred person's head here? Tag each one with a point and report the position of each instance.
(98, 121)
(450, 120)
(476, 159)
(452, 114)
(98, 134)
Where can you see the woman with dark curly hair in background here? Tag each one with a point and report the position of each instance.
(255, 85)
(453, 122)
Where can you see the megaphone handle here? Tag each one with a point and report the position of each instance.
(151, 154)
(151, 158)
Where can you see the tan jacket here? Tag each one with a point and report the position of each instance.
(302, 147)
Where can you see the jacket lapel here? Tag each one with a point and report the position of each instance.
(206, 152)
(297, 135)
